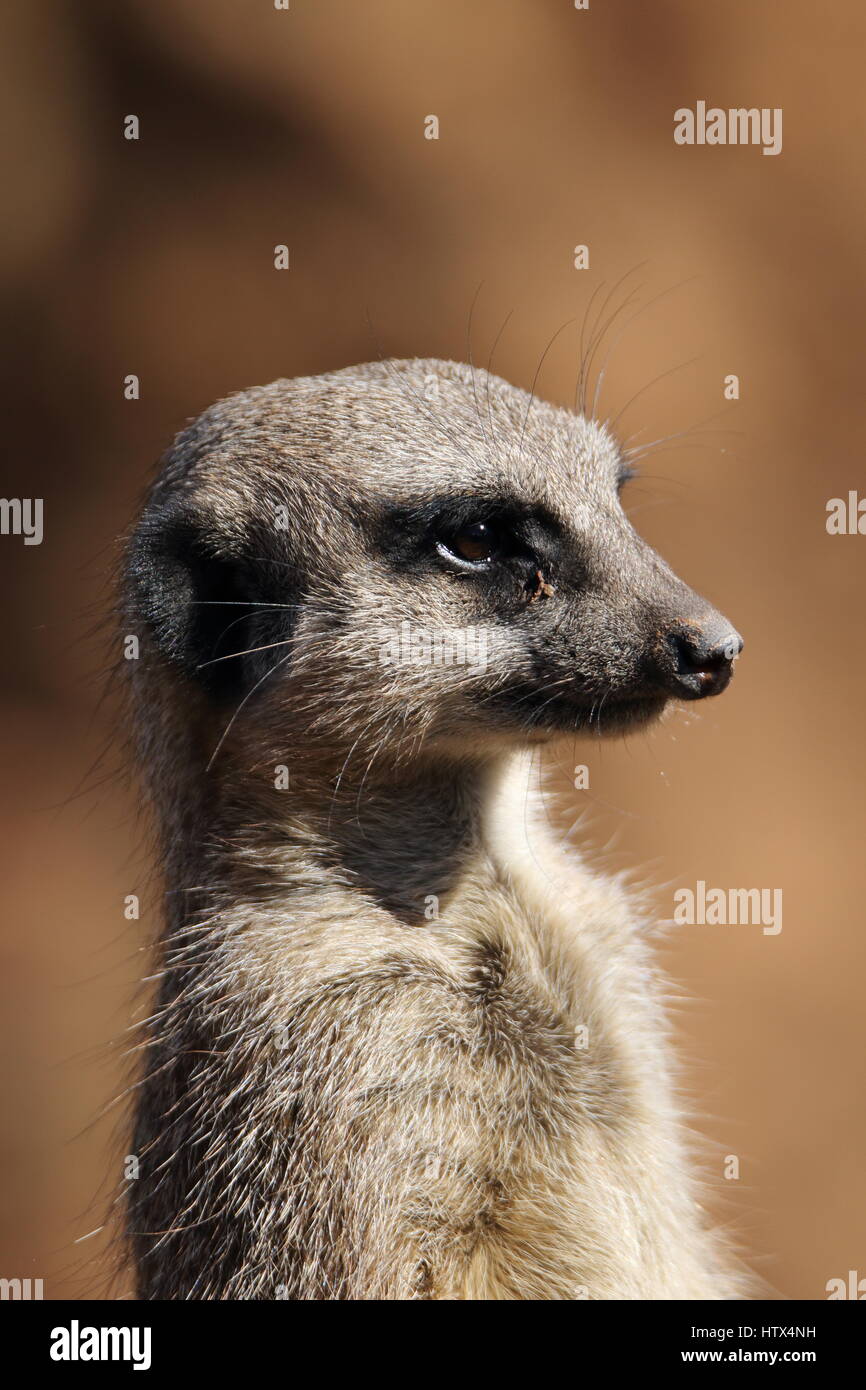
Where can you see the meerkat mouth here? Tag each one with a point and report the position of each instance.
(538, 712)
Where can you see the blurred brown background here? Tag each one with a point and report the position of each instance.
(306, 127)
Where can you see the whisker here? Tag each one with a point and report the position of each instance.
(243, 702)
(285, 642)
(636, 315)
(470, 359)
(240, 603)
(503, 326)
(650, 384)
(531, 400)
(598, 333)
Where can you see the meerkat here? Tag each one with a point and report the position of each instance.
(405, 1045)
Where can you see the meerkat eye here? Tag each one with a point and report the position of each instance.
(475, 542)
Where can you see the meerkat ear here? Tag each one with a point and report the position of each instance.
(201, 594)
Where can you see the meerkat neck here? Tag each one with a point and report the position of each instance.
(402, 839)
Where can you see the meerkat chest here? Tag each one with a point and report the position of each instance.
(566, 989)
(495, 1080)
(566, 1076)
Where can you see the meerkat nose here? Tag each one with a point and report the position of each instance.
(702, 660)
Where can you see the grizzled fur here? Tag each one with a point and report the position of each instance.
(366, 1076)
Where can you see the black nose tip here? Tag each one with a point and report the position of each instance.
(702, 661)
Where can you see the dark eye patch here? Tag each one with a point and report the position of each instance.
(410, 535)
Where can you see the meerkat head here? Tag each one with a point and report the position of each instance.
(405, 556)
